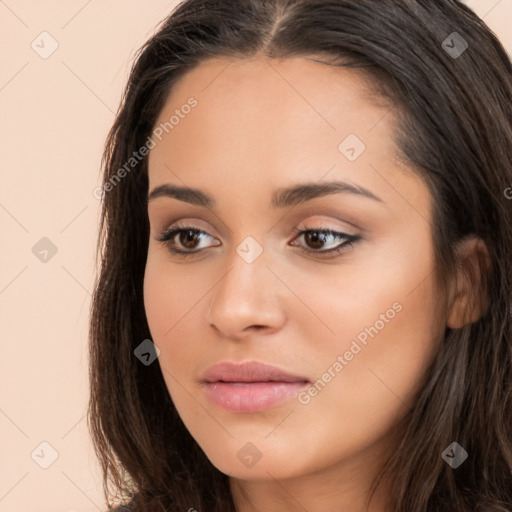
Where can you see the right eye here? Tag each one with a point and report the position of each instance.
(187, 236)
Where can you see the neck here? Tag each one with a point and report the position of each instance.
(344, 487)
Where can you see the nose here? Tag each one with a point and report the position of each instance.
(248, 299)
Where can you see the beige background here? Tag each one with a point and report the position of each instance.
(55, 113)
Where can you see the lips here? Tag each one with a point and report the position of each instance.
(250, 386)
(249, 372)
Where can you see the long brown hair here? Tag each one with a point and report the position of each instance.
(454, 127)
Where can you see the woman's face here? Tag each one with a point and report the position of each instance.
(354, 328)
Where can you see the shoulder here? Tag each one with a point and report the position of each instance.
(127, 507)
(122, 508)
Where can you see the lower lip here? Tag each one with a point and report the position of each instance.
(251, 396)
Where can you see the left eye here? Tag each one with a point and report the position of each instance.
(188, 237)
(317, 238)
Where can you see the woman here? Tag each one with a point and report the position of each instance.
(305, 286)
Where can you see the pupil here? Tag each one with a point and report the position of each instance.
(317, 239)
(189, 237)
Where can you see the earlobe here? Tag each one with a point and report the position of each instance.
(469, 301)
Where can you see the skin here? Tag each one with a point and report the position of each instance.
(261, 125)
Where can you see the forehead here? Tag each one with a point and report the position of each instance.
(270, 120)
(296, 98)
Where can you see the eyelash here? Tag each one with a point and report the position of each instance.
(167, 236)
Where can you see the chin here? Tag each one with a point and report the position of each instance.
(247, 462)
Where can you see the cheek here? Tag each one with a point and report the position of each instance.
(383, 296)
(170, 295)
(386, 336)
(158, 302)
(375, 389)
(172, 303)
(175, 308)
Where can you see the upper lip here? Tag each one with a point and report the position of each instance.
(251, 371)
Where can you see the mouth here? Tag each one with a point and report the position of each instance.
(251, 386)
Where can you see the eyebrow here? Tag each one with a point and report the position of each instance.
(282, 198)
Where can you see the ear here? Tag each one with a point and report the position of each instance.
(469, 300)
